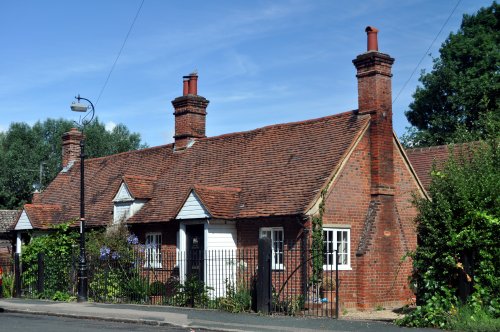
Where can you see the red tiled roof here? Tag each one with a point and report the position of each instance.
(141, 187)
(220, 202)
(423, 159)
(44, 216)
(278, 170)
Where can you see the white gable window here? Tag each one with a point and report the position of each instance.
(276, 236)
(125, 206)
(153, 250)
(336, 239)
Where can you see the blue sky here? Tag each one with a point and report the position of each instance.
(259, 62)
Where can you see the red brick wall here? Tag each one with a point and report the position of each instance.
(377, 277)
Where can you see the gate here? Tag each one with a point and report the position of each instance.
(293, 291)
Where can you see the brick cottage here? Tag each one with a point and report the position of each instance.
(224, 192)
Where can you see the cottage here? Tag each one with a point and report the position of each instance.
(224, 192)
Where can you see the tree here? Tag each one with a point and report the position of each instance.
(24, 148)
(457, 257)
(459, 99)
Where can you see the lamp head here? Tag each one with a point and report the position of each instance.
(79, 107)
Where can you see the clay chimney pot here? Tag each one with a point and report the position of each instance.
(372, 44)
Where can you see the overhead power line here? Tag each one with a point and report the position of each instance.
(120, 52)
(426, 52)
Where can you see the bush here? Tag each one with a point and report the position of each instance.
(8, 285)
(57, 248)
(193, 292)
(157, 288)
(238, 299)
(457, 258)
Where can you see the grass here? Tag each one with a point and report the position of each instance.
(467, 319)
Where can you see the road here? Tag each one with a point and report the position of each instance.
(13, 322)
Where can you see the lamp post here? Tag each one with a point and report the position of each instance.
(82, 262)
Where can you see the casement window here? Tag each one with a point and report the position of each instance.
(153, 250)
(276, 236)
(336, 239)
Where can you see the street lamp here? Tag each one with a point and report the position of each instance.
(82, 265)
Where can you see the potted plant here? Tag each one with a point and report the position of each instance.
(328, 289)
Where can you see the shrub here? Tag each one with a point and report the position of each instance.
(157, 288)
(457, 257)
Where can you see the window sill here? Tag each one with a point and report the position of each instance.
(341, 268)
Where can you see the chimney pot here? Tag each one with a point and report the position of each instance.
(372, 42)
(193, 84)
(185, 85)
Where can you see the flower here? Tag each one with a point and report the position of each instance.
(132, 239)
(115, 255)
(104, 252)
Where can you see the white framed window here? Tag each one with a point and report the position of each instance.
(276, 235)
(336, 239)
(153, 250)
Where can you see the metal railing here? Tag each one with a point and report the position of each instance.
(218, 279)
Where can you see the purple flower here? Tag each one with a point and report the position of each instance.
(115, 255)
(132, 239)
(104, 252)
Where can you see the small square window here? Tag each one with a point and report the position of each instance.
(335, 239)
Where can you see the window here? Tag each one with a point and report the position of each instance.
(153, 250)
(336, 239)
(276, 236)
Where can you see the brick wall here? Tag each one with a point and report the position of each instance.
(382, 231)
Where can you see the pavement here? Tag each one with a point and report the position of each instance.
(189, 318)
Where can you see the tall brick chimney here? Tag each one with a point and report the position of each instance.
(375, 98)
(382, 242)
(71, 146)
(190, 113)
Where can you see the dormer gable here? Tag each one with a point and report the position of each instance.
(23, 223)
(123, 194)
(126, 203)
(193, 208)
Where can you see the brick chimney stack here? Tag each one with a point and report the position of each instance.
(375, 98)
(71, 146)
(190, 113)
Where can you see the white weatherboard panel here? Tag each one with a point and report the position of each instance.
(193, 209)
(220, 258)
(23, 222)
(123, 194)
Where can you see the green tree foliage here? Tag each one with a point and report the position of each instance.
(461, 218)
(24, 148)
(459, 99)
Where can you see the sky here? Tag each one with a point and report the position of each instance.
(259, 62)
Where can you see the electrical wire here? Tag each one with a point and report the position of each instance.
(120, 52)
(426, 52)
